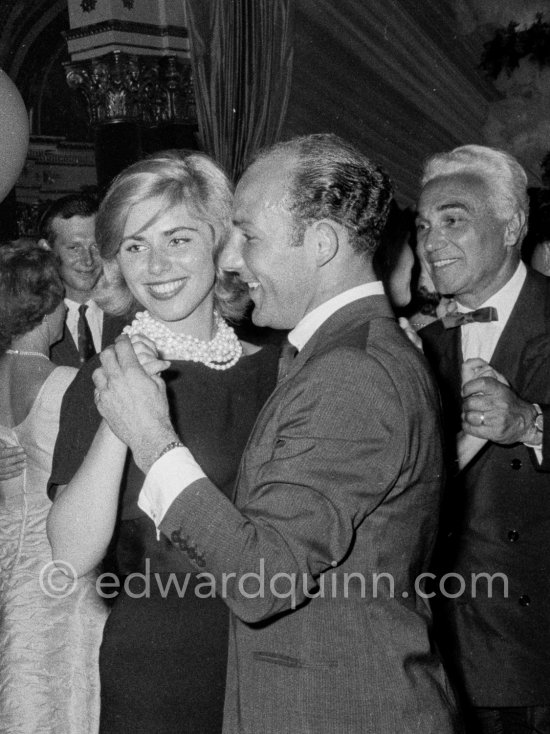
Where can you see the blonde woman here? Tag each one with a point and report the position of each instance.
(163, 657)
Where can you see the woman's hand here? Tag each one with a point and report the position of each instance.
(147, 354)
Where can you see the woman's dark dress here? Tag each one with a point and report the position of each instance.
(163, 656)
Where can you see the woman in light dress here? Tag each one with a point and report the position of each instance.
(50, 623)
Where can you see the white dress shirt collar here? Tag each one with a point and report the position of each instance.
(92, 306)
(305, 328)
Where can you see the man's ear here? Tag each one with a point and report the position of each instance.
(324, 236)
(44, 244)
(514, 229)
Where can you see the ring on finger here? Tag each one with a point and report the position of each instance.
(482, 419)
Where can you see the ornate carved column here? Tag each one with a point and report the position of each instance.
(130, 64)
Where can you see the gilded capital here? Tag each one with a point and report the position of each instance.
(122, 87)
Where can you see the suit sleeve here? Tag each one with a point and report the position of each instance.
(338, 449)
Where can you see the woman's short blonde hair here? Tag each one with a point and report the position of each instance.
(176, 177)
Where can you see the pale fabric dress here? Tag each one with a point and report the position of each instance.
(49, 639)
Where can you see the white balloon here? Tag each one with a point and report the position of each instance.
(14, 134)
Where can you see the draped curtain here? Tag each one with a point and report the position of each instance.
(392, 76)
(241, 55)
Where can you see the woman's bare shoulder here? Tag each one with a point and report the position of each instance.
(21, 386)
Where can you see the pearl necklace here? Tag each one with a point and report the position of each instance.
(220, 353)
(23, 353)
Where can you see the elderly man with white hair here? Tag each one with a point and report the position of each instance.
(492, 360)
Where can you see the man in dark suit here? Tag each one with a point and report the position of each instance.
(472, 216)
(68, 228)
(321, 556)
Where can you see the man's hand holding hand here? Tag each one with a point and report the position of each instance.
(133, 403)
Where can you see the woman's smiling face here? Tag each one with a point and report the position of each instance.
(166, 259)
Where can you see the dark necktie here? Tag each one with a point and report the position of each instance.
(286, 357)
(481, 315)
(86, 347)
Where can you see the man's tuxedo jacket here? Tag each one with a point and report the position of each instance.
(499, 521)
(65, 352)
(336, 510)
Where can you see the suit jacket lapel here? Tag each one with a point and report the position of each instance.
(523, 324)
(65, 351)
(443, 349)
(71, 344)
(351, 316)
(333, 329)
(452, 358)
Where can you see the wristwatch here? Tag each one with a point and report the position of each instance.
(538, 421)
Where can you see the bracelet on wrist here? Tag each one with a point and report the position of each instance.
(167, 448)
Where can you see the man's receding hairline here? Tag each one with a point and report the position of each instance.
(291, 158)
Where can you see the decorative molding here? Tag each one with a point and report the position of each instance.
(126, 26)
(54, 167)
(54, 158)
(89, 5)
(122, 87)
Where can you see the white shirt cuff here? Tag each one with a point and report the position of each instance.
(166, 479)
(538, 448)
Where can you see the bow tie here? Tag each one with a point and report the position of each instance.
(481, 315)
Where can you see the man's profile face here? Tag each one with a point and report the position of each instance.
(74, 243)
(281, 277)
(461, 239)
